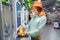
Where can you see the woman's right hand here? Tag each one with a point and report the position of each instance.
(21, 31)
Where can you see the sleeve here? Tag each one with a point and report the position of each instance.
(39, 26)
(42, 23)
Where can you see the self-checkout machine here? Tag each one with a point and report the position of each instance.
(8, 20)
(24, 17)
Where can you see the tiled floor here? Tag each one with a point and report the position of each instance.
(49, 33)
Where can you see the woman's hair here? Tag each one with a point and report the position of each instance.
(39, 9)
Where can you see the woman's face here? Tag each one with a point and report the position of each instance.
(35, 10)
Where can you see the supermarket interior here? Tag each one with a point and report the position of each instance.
(29, 19)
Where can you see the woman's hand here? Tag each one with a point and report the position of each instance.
(22, 34)
(21, 31)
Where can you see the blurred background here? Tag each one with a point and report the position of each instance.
(14, 13)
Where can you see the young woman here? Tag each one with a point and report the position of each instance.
(37, 22)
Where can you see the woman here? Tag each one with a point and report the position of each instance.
(37, 22)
